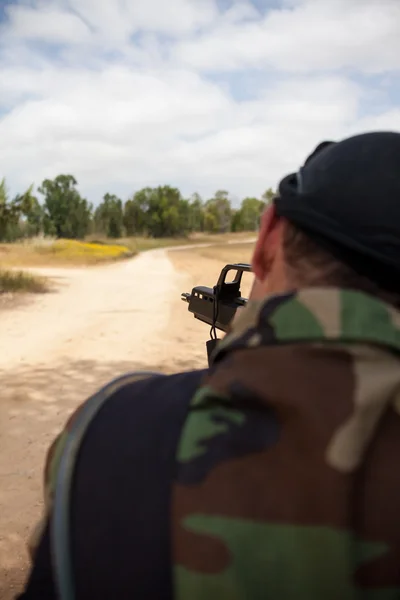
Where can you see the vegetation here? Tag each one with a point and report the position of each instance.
(18, 281)
(66, 251)
(56, 225)
(61, 252)
(160, 213)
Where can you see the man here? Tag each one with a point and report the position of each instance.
(273, 474)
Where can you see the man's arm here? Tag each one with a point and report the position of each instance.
(131, 443)
(39, 540)
(41, 585)
(52, 462)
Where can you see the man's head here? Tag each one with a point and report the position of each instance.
(336, 222)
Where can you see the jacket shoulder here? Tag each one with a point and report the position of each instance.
(122, 397)
(136, 395)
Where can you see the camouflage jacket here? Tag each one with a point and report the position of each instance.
(286, 481)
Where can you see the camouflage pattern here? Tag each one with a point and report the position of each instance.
(287, 481)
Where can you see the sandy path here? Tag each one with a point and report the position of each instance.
(56, 351)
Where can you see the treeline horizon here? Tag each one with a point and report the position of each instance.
(158, 212)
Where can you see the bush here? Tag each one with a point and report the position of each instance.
(18, 281)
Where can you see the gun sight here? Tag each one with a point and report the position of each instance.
(217, 306)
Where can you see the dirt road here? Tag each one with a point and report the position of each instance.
(59, 348)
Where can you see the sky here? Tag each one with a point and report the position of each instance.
(199, 94)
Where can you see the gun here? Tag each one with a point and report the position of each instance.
(217, 306)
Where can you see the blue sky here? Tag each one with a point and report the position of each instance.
(204, 95)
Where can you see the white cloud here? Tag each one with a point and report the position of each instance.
(48, 24)
(312, 35)
(79, 94)
(116, 20)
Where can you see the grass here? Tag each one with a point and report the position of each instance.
(61, 253)
(18, 281)
(48, 252)
(84, 252)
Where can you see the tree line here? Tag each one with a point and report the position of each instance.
(62, 212)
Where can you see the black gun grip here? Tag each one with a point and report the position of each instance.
(211, 345)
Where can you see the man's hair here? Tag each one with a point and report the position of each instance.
(310, 265)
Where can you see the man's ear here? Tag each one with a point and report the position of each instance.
(269, 238)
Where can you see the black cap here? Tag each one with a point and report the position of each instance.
(347, 198)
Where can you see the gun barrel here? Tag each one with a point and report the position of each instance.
(185, 297)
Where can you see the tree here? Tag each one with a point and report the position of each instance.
(218, 213)
(158, 212)
(167, 213)
(109, 217)
(12, 213)
(196, 213)
(268, 195)
(66, 213)
(210, 222)
(34, 218)
(247, 218)
(134, 217)
(4, 210)
(32, 214)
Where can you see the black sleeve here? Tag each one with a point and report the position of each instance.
(120, 508)
(40, 584)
